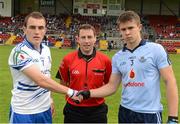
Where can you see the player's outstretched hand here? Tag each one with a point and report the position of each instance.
(84, 93)
(73, 95)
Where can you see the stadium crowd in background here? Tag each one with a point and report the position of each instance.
(30, 65)
(58, 25)
(139, 66)
(83, 69)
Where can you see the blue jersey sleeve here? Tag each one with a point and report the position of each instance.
(115, 64)
(161, 57)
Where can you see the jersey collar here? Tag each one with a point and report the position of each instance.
(143, 42)
(87, 57)
(31, 46)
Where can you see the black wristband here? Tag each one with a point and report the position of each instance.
(173, 119)
(84, 93)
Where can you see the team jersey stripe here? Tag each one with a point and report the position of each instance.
(168, 60)
(26, 89)
(14, 58)
(18, 67)
(159, 121)
(11, 116)
(26, 85)
(40, 93)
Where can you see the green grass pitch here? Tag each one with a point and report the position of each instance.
(57, 55)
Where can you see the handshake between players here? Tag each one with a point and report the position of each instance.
(80, 95)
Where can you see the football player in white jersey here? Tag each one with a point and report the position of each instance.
(30, 65)
(139, 66)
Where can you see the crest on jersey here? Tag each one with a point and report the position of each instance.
(142, 59)
(21, 57)
(132, 74)
(75, 72)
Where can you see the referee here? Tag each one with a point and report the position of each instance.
(85, 69)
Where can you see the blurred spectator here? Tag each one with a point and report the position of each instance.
(45, 41)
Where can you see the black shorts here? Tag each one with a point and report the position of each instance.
(128, 116)
(95, 114)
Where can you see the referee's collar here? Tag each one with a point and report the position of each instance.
(143, 42)
(87, 57)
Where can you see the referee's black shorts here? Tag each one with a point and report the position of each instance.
(95, 114)
(128, 116)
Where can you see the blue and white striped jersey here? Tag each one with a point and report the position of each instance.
(139, 69)
(27, 96)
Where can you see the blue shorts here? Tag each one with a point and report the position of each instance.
(128, 116)
(43, 117)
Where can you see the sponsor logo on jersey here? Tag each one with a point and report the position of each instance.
(132, 74)
(122, 63)
(35, 60)
(132, 57)
(75, 72)
(134, 84)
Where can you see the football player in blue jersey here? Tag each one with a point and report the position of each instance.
(30, 65)
(138, 66)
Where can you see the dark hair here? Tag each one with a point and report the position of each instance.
(127, 16)
(87, 26)
(36, 15)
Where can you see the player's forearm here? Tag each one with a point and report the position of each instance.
(52, 85)
(40, 79)
(172, 97)
(103, 91)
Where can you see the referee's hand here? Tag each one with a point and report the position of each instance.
(84, 93)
